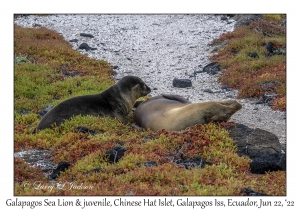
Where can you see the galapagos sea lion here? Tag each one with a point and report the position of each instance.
(115, 102)
(174, 113)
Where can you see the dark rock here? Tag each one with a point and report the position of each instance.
(36, 25)
(24, 112)
(82, 129)
(230, 15)
(250, 192)
(86, 35)
(150, 164)
(226, 88)
(229, 96)
(182, 83)
(208, 91)
(212, 68)
(85, 46)
(73, 40)
(270, 47)
(223, 18)
(192, 163)
(61, 167)
(253, 55)
(244, 20)
(254, 142)
(115, 67)
(155, 89)
(268, 84)
(45, 110)
(268, 163)
(115, 154)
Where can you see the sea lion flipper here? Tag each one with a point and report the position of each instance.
(176, 98)
(137, 103)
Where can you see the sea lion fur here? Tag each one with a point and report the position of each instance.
(115, 102)
(174, 113)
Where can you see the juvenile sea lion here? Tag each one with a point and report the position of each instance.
(174, 113)
(115, 102)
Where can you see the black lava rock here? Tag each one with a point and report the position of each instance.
(73, 40)
(270, 47)
(150, 164)
(182, 83)
(85, 46)
(24, 112)
(208, 91)
(250, 192)
(192, 163)
(82, 129)
(115, 154)
(45, 110)
(86, 35)
(62, 166)
(268, 163)
(254, 143)
(212, 68)
(253, 55)
(223, 18)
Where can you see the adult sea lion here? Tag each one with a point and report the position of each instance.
(174, 113)
(115, 102)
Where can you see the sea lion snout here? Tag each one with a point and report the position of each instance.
(146, 89)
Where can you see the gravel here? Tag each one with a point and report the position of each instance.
(159, 48)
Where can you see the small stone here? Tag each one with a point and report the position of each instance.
(115, 67)
(82, 129)
(45, 110)
(150, 164)
(192, 163)
(73, 40)
(155, 89)
(208, 91)
(270, 47)
(85, 46)
(86, 35)
(182, 83)
(223, 18)
(115, 154)
(253, 55)
(212, 68)
(250, 192)
(24, 112)
(62, 166)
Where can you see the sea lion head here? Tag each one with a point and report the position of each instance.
(228, 108)
(134, 85)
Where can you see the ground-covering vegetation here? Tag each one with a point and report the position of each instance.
(47, 70)
(249, 65)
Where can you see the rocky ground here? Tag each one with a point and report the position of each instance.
(159, 48)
